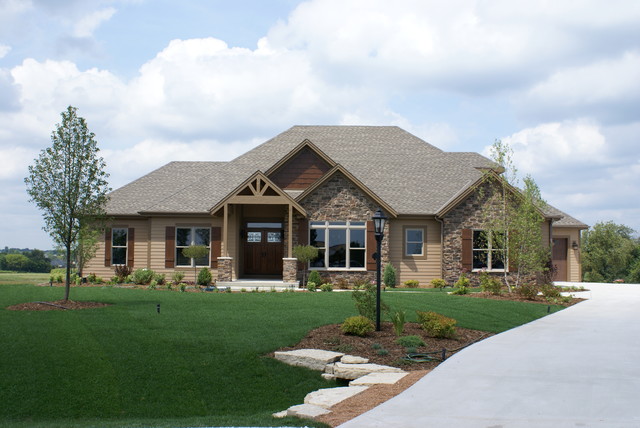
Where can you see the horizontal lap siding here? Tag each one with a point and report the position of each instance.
(421, 269)
(574, 267)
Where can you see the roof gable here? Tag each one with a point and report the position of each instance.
(301, 167)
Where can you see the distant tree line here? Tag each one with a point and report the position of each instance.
(610, 252)
(25, 261)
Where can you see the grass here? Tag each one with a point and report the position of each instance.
(200, 361)
(8, 277)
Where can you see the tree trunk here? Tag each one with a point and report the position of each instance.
(67, 285)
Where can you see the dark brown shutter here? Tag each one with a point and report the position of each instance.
(467, 249)
(131, 238)
(216, 246)
(303, 232)
(371, 246)
(107, 247)
(169, 247)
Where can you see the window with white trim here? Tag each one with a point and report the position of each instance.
(489, 250)
(414, 242)
(340, 244)
(119, 238)
(187, 236)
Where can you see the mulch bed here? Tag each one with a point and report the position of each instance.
(331, 338)
(58, 305)
(517, 298)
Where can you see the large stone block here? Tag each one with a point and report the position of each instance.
(331, 396)
(378, 379)
(308, 411)
(314, 359)
(354, 371)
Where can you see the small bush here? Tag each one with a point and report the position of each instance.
(182, 286)
(490, 284)
(412, 283)
(143, 276)
(410, 341)
(389, 275)
(366, 302)
(92, 278)
(177, 277)
(362, 284)
(398, 318)
(311, 286)
(204, 277)
(460, 290)
(437, 325)
(326, 287)
(463, 281)
(357, 326)
(438, 283)
(550, 291)
(382, 352)
(122, 272)
(153, 284)
(345, 348)
(314, 276)
(342, 284)
(528, 291)
(159, 278)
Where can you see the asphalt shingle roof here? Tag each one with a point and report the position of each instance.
(411, 175)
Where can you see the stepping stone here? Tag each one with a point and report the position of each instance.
(354, 371)
(308, 411)
(280, 415)
(377, 379)
(331, 396)
(314, 359)
(352, 359)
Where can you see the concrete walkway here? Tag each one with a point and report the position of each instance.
(579, 367)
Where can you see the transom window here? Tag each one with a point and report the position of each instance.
(340, 244)
(119, 246)
(489, 250)
(186, 236)
(414, 242)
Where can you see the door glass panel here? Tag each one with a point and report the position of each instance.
(254, 236)
(274, 237)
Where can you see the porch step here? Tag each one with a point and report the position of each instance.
(258, 285)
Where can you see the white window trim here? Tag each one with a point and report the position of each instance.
(490, 251)
(348, 226)
(406, 241)
(125, 246)
(193, 234)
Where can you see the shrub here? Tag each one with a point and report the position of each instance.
(177, 277)
(410, 341)
(460, 290)
(182, 286)
(326, 287)
(398, 318)
(437, 325)
(438, 283)
(314, 277)
(382, 352)
(389, 275)
(122, 272)
(92, 278)
(463, 281)
(490, 284)
(550, 291)
(159, 278)
(204, 277)
(143, 276)
(311, 286)
(366, 302)
(412, 283)
(357, 326)
(153, 284)
(342, 284)
(528, 291)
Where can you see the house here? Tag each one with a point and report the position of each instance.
(319, 185)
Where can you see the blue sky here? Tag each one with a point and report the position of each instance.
(207, 80)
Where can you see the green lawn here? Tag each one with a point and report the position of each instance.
(7, 277)
(200, 361)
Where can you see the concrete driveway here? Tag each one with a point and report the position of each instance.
(579, 367)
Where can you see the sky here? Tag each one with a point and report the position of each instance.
(160, 80)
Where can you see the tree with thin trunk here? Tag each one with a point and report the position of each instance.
(195, 252)
(68, 183)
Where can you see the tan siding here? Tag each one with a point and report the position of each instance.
(574, 267)
(423, 269)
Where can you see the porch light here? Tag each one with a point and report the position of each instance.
(379, 220)
(574, 245)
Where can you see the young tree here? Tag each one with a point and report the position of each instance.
(68, 183)
(305, 254)
(195, 252)
(514, 218)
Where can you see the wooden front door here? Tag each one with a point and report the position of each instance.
(263, 249)
(559, 257)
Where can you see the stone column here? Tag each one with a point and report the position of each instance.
(289, 269)
(225, 269)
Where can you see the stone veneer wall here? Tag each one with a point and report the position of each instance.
(340, 200)
(225, 269)
(289, 269)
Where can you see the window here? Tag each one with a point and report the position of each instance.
(340, 244)
(489, 250)
(414, 242)
(186, 236)
(119, 246)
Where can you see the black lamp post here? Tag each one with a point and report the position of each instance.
(379, 221)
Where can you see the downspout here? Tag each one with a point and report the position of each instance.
(439, 220)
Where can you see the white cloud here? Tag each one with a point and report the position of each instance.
(86, 26)
(4, 50)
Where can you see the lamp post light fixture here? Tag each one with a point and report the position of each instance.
(379, 220)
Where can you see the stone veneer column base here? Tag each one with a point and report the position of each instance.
(289, 269)
(225, 269)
